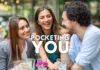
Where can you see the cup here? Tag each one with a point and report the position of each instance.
(61, 64)
(16, 65)
(28, 64)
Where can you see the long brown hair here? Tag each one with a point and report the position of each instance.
(38, 28)
(13, 36)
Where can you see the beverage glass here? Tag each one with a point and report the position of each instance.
(61, 64)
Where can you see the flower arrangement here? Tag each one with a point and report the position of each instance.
(42, 64)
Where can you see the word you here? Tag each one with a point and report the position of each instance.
(62, 45)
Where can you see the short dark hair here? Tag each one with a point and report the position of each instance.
(78, 11)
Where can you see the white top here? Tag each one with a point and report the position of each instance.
(24, 55)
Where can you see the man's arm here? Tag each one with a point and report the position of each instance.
(76, 67)
(88, 52)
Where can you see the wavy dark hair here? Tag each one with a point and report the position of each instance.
(78, 11)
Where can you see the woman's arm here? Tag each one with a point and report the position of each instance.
(65, 57)
(43, 55)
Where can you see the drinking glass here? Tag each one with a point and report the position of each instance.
(62, 64)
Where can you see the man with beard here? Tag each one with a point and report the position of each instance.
(84, 51)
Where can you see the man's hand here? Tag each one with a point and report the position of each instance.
(77, 67)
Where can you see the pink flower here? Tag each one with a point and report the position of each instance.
(44, 64)
(41, 63)
(38, 63)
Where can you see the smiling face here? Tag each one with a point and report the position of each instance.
(24, 30)
(69, 24)
(45, 19)
(66, 22)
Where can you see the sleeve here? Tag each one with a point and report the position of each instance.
(31, 50)
(3, 57)
(90, 49)
(71, 51)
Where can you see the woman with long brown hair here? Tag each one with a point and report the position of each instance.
(45, 23)
(18, 46)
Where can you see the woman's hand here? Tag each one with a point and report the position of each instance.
(23, 66)
(53, 66)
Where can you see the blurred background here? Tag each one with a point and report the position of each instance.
(27, 8)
